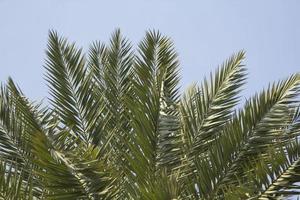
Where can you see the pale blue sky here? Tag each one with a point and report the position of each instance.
(205, 33)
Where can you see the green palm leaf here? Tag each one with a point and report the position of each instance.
(154, 139)
(206, 109)
(117, 127)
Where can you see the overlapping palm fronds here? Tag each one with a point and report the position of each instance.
(116, 127)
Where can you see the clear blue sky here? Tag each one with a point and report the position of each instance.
(205, 33)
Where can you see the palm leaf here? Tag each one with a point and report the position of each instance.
(60, 174)
(14, 184)
(206, 109)
(265, 115)
(117, 128)
(154, 139)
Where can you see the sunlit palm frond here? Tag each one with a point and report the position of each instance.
(207, 108)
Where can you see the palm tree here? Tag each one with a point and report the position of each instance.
(117, 127)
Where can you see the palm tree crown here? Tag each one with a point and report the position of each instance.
(117, 127)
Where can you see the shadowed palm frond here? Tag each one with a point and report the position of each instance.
(14, 184)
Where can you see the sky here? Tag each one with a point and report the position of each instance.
(205, 33)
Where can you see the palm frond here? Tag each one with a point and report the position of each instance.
(117, 128)
(61, 174)
(206, 109)
(14, 184)
(258, 126)
(154, 139)
(66, 74)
